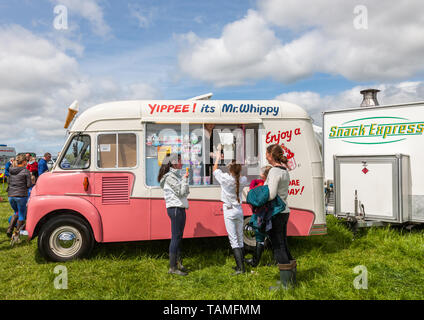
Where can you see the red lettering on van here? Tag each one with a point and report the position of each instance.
(152, 108)
(294, 183)
(282, 135)
(171, 108)
(268, 138)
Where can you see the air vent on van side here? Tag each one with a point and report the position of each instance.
(115, 190)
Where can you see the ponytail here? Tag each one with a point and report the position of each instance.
(235, 170)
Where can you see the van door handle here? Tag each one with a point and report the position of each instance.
(86, 183)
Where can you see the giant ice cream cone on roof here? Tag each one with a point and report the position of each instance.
(72, 111)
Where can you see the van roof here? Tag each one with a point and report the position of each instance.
(194, 111)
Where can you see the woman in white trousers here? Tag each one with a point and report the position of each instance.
(231, 191)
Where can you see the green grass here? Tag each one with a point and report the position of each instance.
(393, 258)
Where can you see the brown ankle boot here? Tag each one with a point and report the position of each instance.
(12, 226)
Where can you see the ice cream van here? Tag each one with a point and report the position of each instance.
(103, 187)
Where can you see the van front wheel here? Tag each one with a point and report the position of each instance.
(65, 238)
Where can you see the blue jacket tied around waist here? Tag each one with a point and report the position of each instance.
(263, 210)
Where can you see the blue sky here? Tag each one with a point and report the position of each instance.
(310, 52)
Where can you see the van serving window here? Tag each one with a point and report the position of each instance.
(196, 144)
(117, 150)
(77, 155)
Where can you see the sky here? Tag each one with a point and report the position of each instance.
(316, 53)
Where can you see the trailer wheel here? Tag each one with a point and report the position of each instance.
(64, 238)
(248, 235)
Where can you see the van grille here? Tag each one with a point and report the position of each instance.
(115, 190)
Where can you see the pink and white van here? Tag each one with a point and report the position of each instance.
(103, 187)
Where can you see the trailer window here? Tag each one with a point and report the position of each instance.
(77, 156)
(117, 150)
(196, 143)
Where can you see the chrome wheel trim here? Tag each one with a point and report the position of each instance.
(65, 241)
(248, 233)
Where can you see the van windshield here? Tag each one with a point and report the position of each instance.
(77, 155)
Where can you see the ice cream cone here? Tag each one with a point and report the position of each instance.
(72, 111)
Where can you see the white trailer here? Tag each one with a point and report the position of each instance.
(374, 159)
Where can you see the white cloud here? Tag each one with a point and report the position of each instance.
(38, 81)
(143, 91)
(233, 58)
(319, 37)
(89, 10)
(391, 93)
(198, 19)
(143, 16)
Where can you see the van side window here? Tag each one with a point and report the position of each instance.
(183, 139)
(77, 156)
(127, 150)
(117, 150)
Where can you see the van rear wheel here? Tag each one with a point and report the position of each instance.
(248, 235)
(64, 238)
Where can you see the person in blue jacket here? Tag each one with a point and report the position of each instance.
(42, 164)
(7, 166)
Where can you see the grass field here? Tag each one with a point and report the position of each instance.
(393, 258)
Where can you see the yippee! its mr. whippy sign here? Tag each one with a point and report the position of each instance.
(376, 130)
(263, 109)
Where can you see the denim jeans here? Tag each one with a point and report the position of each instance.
(178, 220)
(18, 205)
(278, 237)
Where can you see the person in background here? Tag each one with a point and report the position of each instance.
(32, 166)
(209, 147)
(19, 182)
(278, 181)
(260, 182)
(231, 192)
(27, 157)
(176, 190)
(7, 167)
(42, 164)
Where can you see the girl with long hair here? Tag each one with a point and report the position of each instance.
(176, 190)
(231, 192)
(278, 181)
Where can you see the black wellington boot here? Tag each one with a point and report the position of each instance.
(238, 256)
(173, 269)
(243, 254)
(257, 255)
(180, 265)
(9, 231)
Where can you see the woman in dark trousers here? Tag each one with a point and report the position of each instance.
(176, 190)
(278, 181)
(19, 183)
